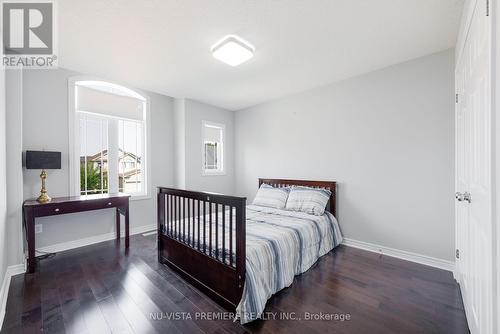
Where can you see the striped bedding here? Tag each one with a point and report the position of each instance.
(279, 245)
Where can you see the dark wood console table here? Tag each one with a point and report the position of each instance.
(59, 206)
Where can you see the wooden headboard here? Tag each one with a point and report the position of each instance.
(332, 186)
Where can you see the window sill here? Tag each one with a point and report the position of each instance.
(203, 173)
(139, 197)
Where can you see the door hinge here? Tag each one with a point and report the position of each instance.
(456, 98)
(457, 253)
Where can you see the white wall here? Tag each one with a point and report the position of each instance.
(386, 137)
(496, 163)
(189, 117)
(3, 190)
(180, 143)
(45, 126)
(15, 196)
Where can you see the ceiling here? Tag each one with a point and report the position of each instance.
(164, 45)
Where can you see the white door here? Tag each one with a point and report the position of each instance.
(473, 171)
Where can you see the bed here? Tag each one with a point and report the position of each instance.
(241, 255)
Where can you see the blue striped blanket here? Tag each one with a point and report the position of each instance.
(279, 245)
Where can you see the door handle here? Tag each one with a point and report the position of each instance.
(462, 196)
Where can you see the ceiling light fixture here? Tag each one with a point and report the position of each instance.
(232, 50)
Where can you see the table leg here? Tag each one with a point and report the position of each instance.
(30, 235)
(126, 227)
(117, 224)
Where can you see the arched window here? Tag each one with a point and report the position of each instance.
(108, 138)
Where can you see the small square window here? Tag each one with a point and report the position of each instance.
(212, 148)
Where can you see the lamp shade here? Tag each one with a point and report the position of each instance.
(43, 160)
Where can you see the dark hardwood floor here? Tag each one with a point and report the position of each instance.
(100, 289)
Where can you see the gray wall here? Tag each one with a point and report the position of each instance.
(386, 137)
(45, 126)
(3, 185)
(15, 197)
(180, 143)
(196, 113)
(188, 118)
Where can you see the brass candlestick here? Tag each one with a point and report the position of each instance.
(43, 198)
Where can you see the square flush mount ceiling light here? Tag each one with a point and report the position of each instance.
(232, 50)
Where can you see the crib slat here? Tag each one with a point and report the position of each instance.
(193, 228)
(179, 220)
(174, 210)
(223, 233)
(216, 231)
(230, 235)
(210, 228)
(198, 234)
(184, 219)
(189, 221)
(204, 227)
(169, 218)
(192, 221)
(169, 214)
(173, 216)
(193, 208)
(167, 221)
(178, 217)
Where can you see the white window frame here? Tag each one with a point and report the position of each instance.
(74, 145)
(222, 170)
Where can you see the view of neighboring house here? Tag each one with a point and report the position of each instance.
(96, 176)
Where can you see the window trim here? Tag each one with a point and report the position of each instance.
(73, 125)
(207, 172)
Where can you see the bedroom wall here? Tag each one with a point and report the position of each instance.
(3, 192)
(188, 118)
(45, 126)
(196, 112)
(180, 143)
(14, 107)
(386, 137)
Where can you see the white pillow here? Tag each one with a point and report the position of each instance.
(308, 200)
(271, 197)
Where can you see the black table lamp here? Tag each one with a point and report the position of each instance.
(43, 160)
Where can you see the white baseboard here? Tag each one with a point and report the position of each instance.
(401, 254)
(4, 289)
(93, 239)
(456, 275)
